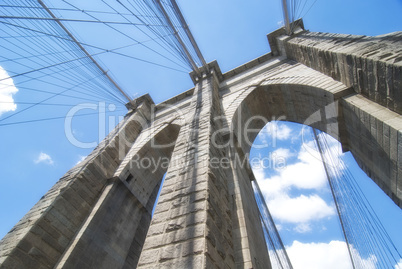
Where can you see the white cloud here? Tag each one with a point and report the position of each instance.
(81, 158)
(275, 160)
(44, 158)
(283, 132)
(333, 255)
(7, 89)
(301, 209)
(303, 228)
(274, 131)
(399, 265)
(258, 172)
(331, 153)
(282, 153)
(278, 130)
(307, 173)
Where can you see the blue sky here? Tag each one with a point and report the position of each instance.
(35, 155)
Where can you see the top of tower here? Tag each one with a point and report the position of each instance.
(297, 26)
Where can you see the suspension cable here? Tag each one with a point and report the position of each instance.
(334, 197)
(367, 240)
(273, 238)
(83, 49)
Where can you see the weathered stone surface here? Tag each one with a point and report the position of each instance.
(371, 65)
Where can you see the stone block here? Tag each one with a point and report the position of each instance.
(170, 252)
(184, 234)
(193, 247)
(156, 229)
(148, 257)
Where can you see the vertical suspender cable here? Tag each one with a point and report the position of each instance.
(333, 195)
(286, 16)
(264, 211)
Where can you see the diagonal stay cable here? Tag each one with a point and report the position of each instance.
(64, 95)
(77, 59)
(84, 50)
(167, 48)
(74, 20)
(334, 197)
(44, 100)
(126, 35)
(52, 118)
(96, 47)
(67, 9)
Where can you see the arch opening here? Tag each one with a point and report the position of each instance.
(144, 175)
(336, 115)
(291, 176)
(291, 102)
(342, 117)
(147, 164)
(118, 224)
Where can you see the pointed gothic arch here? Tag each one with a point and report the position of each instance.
(118, 224)
(362, 126)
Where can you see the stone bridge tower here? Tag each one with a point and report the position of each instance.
(99, 214)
